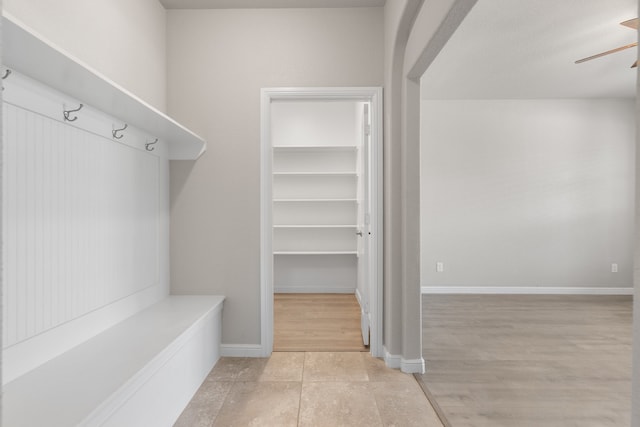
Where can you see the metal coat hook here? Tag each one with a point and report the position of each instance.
(66, 114)
(7, 72)
(115, 132)
(148, 145)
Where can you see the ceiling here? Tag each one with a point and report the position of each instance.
(526, 49)
(267, 4)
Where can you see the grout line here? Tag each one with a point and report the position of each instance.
(432, 400)
(226, 395)
(304, 360)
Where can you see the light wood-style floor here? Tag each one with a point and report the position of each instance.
(316, 322)
(523, 360)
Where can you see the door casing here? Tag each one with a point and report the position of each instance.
(373, 95)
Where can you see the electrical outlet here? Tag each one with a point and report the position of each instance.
(439, 267)
(614, 268)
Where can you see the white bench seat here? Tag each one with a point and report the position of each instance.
(140, 372)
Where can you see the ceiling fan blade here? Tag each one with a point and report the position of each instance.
(609, 52)
(631, 23)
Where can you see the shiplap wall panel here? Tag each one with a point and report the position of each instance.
(80, 219)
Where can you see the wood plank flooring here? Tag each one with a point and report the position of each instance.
(316, 322)
(524, 360)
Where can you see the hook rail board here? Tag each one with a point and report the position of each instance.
(31, 55)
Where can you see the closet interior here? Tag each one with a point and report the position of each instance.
(315, 195)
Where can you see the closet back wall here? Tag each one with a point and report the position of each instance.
(122, 39)
(218, 60)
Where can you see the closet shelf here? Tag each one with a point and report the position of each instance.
(27, 53)
(315, 253)
(314, 200)
(294, 174)
(315, 148)
(317, 226)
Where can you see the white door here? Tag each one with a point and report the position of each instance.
(363, 231)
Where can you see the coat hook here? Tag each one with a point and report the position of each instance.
(66, 114)
(148, 145)
(7, 72)
(115, 132)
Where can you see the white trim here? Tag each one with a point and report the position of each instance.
(359, 297)
(412, 366)
(526, 290)
(377, 232)
(409, 366)
(374, 96)
(312, 290)
(31, 95)
(25, 51)
(241, 350)
(392, 361)
(266, 230)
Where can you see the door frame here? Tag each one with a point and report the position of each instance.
(367, 94)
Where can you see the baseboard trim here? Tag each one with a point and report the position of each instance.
(412, 366)
(525, 290)
(241, 350)
(312, 290)
(359, 297)
(409, 366)
(392, 360)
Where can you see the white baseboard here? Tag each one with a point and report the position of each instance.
(241, 350)
(359, 297)
(409, 366)
(412, 366)
(525, 290)
(312, 290)
(392, 361)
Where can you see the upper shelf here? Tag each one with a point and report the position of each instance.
(315, 147)
(27, 53)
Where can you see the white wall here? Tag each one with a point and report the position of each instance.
(217, 62)
(313, 123)
(527, 192)
(122, 39)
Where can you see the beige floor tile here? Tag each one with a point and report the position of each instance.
(334, 367)
(403, 404)
(205, 405)
(334, 404)
(260, 404)
(238, 369)
(283, 366)
(377, 370)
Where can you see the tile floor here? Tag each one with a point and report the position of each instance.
(308, 389)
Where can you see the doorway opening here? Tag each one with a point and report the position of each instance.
(321, 219)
